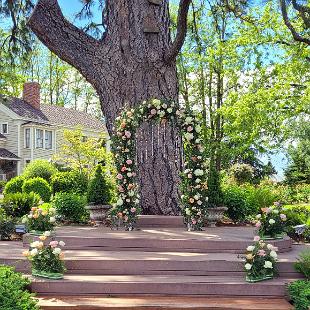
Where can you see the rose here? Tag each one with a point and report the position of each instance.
(198, 128)
(199, 202)
(268, 264)
(24, 220)
(258, 216)
(169, 110)
(261, 253)
(119, 177)
(57, 251)
(127, 134)
(53, 244)
(120, 189)
(191, 200)
(34, 252)
(248, 266)
(47, 233)
(52, 219)
(249, 257)
(250, 248)
(190, 176)
(153, 111)
(61, 243)
(198, 172)
(129, 162)
(133, 210)
(188, 211)
(52, 210)
(189, 136)
(283, 217)
(271, 221)
(42, 238)
(190, 129)
(258, 224)
(26, 253)
(194, 222)
(270, 247)
(119, 202)
(256, 238)
(273, 254)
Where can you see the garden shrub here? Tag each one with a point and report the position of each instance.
(14, 186)
(2, 185)
(40, 168)
(13, 292)
(71, 207)
(242, 173)
(7, 225)
(99, 190)
(69, 182)
(303, 263)
(299, 292)
(38, 186)
(20, 204)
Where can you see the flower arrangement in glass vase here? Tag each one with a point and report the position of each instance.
(38, 220)
(271, 222)
(260, 261)
(47, 258)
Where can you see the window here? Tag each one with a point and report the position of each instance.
(27, 138)
(5, 128)
(27, 162)
(39, 138)
(48, 140)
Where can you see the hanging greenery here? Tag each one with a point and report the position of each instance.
(194, 198)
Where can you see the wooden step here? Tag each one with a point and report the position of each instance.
(158, 285)
(161, 303)
(160, 221)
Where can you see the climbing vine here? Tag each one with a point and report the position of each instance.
(194, 199)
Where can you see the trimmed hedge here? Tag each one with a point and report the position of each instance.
(13, 292)
(299, 292)
(40, 168)
(14, 186)
(38, 186)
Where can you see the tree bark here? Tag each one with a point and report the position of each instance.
(128, 66)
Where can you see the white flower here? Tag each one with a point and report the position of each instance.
(186, 171)
(188, 211)
(196, 197)
(47, 233)
(248, 266)
(30, 216)
(189, 136)
(198, 140)
(199, 202)
(131, 193)
(198, 172)
(275, 211)
(273, 254)
(34, 252)
(188, 120)
(35, 244)
(119, 202)
(24, 220)
(61, 243)
(271, 221)
(258, 216)
(197, 180)
(270, 247)
(129, 174)
(169, 110)
(51, 210)
(57, 251)
(250, 248)
(52, 219)
(198, 128)
(268, 264)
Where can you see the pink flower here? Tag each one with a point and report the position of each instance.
(190, 128)
(189, 175)
(127, 134)
(153, 111)
(125, 219)
(258, 224)
(123, 169)
(119, 176)
(134, 174)
(121, 189)
(261, 253)
(194, 222)
(256, 238)
(283, 217)
(133, 210)
(53, 244)
(129, 162)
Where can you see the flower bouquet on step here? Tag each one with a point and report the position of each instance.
(260, 261)
(47, 258)
(38, 220)
(271, 222)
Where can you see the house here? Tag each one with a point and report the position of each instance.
(30, 130)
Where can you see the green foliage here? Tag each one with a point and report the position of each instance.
(299, 292)
(99, 190)
(7, 226)
(19, 204)
(69, 182)
(2, 185)
(40, 168)
(303, 263)
(242, 173)
(13, 186)
(215, 195)
(13, 291)
(39, 186)
(71, 207)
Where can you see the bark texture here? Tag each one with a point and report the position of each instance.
(126, 67)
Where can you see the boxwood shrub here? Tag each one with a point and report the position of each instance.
(299, 292)
(13, 291)
(40, 168)
(14, 186)
(7, 225)
(38, 186)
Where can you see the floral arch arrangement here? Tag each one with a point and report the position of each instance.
(194, 199)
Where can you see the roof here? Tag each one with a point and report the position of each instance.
(5, 154)
(53, 114)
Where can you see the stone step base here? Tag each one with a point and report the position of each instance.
(158, 285)
(161, 303)
(160, 221)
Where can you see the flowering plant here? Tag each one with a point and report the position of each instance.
(127, 206)
(47, 258)
(260, 261)
(39, 220)
(271, 222)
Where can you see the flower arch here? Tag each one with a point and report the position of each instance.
(194, 198)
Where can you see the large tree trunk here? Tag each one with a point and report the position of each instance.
(138, 72)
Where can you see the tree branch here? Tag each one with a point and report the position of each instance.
(296, 35)
(68, 42)
(181, 31)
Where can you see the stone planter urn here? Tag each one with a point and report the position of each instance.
(214, 215)
(98, 213)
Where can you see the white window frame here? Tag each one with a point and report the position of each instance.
(50, 146)
(42, 138)
(7, 127)
(25, 138)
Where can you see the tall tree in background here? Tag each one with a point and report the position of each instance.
(134, 61)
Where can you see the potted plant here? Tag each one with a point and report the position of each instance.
(99, 195)
(215, 210)
(271, 222)
(47, 258)
(260, 261)
(38, 220)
